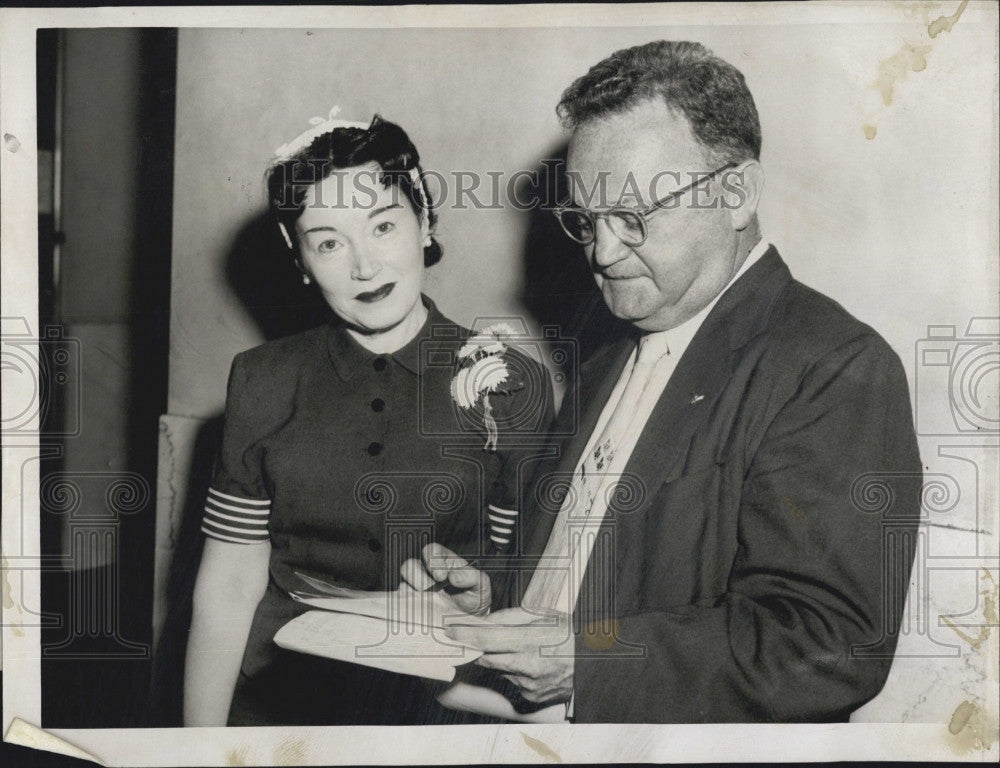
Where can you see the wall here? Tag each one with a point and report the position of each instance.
(100, 180)
(852, 216)
(900, 227)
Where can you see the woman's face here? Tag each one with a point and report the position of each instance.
(362, 243)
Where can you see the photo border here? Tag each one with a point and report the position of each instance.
(514, 743)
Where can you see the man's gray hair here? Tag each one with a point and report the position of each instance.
(709, 92)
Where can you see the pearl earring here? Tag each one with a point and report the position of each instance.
(306, 280)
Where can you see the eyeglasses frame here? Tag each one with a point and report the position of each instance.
(640, 213)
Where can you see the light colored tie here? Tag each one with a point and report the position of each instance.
(549, 579)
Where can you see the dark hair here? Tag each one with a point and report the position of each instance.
(708, 91)
(383, 143)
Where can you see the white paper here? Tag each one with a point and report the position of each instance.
(408, 648)
(432, 609)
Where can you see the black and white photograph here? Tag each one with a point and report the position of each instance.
(501, 384)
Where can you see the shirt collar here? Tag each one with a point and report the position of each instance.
(676, 340)
(348, 356)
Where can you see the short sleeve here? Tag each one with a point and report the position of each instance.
(237, 507)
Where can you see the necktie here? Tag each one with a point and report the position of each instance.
(549, 579)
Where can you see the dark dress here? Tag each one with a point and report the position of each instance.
(349, 462)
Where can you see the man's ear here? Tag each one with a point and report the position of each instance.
(742, 187)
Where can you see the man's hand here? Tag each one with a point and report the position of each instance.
(467, 587)
(535, 654)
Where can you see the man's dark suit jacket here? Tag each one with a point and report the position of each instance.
(757, 552)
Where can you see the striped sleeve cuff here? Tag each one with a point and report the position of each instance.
(501, 524)
(235, 519)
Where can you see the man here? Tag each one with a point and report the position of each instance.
(706, 526)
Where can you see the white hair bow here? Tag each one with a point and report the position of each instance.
(319, 127)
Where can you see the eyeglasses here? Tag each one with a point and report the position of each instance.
(628, 224)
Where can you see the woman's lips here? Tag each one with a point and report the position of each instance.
(377, 295)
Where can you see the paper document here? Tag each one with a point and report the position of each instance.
(400, 631)
(406, 604)
(407, 648)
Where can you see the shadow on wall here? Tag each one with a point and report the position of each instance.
(558, 282)
(262, 273)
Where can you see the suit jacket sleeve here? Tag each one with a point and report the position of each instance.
(810, 583)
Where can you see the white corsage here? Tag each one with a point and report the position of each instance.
(483, 371)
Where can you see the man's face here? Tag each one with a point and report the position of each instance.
(689, 252)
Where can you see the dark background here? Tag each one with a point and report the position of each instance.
(106, 117)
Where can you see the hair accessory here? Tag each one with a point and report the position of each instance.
(425, 220)
(319, 127)
(284, 234)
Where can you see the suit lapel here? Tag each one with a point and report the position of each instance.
(700, 376)
(692, 393)
(704, 370)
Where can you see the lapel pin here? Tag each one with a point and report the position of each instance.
(696, 399)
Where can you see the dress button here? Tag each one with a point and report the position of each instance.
(378, 404)
(374, 545)
(374, 449)
(379, 364)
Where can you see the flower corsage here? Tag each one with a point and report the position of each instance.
(485, 369)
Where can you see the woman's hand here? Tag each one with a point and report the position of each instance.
(440, 568)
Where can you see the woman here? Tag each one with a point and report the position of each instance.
(348, 447)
